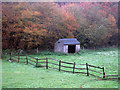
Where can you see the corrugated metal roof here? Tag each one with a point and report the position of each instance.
(69, 41)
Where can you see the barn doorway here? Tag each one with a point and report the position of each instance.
(71, 48)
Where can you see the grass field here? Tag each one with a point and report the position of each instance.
(19, 75)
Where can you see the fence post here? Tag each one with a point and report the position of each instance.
(36, 62)
(73, 67)
(46, 63)
(59, 65)
(87, 69)
(26, 59)
(10, 56)
(18, 58)
(103, 73)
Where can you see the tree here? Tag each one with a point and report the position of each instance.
(32, 25)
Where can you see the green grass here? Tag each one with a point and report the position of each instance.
(18, 75)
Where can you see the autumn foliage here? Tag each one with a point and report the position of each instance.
(31, 25)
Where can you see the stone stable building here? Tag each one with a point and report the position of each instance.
(70, 45)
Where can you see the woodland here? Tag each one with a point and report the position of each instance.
(28, 25)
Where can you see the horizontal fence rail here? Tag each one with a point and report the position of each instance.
(80, 64)
(66, 66)
(94, 75)
(37, 62)
(66, 71)
(66, 62)
(42, 59)
(54, 64)
(41, 62)
(32, 61)
(95, 71)
(32, 57)
(81, 68)
(112, 77)
(81, 72)
(53, 67)
(95, 66)
(54, 59)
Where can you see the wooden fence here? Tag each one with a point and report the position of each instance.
(37, 62)
(112, 77)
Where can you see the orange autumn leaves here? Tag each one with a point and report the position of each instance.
(30, 25)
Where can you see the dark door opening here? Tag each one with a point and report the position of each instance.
(71, 48)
